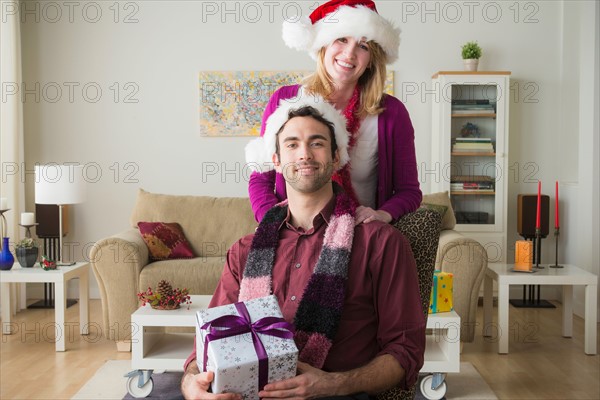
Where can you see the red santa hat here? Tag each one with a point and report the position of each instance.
(259, 152)
(341, 18)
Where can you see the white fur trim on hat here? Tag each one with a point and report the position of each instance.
(259, 152)
(357, 22)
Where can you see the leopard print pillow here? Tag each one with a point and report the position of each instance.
(422, 229)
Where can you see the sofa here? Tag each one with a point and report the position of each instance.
(123, 266)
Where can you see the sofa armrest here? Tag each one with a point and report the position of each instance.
(467, 260)
(117, 262)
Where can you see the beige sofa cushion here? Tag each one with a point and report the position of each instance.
(210, 224)
(198, 275)
(442, 199)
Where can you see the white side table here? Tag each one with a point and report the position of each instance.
(152, 348)
(59, 277)
(442, 353)
(566, 277)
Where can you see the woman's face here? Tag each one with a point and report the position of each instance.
(346, 59)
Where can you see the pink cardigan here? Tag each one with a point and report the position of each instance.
(398, 190)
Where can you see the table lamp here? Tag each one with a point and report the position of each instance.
(60, 185)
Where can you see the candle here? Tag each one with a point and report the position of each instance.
(27, 218)
(556, 223)
(3, 203)
(539, 206)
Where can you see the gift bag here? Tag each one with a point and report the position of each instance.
(441, 293)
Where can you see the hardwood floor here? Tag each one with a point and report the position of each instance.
(541, 363)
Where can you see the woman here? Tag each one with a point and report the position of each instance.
(352, 43)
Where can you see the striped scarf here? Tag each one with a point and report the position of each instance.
(320, 309)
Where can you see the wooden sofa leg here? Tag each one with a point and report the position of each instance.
(123, 346)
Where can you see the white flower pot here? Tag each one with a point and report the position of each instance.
(471, 64)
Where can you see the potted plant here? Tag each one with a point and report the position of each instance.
(27, 252)
(471, 52)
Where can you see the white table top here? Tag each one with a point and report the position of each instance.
(569, 274)
(37, 274)
(148, 316)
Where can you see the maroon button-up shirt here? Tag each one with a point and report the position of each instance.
(382, 311)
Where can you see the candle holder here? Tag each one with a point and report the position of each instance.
(556, 235)
(538, 248)
(27, 229)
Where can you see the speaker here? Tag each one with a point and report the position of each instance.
(526, 215)
(47, 219)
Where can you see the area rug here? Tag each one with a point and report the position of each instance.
(109, 383)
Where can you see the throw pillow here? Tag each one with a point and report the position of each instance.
(442, 199)
(435, 207)
(165, 240)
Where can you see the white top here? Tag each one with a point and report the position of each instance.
(568, 275)
(363, 164)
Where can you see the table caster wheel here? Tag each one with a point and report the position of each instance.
(139, 392)
(429, 392)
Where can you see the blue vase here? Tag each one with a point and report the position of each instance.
(6, 258)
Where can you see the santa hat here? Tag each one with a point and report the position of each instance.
(341, 18)
(259, 152)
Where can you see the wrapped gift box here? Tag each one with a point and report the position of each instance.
(441, 293)
(234, 359)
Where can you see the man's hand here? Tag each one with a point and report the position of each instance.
(308, 384)
(195, 386)
(367, 214)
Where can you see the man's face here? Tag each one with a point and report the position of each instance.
(305, 154)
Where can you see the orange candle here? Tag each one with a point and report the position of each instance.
(539, 206)
(523, 255)
(556, 224)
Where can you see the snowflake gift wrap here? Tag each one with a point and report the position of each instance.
(247, 345)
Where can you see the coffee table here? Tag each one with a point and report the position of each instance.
(566, 277)
(59, 277)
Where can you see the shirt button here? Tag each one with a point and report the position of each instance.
(298, 265)
(293, 298)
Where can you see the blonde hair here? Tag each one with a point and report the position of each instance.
(372, 81)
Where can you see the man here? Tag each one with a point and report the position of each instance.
(351, 292)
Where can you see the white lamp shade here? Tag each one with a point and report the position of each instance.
(59, 184)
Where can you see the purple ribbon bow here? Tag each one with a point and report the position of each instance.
(233, 325)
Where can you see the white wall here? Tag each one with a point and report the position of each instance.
(160, 55)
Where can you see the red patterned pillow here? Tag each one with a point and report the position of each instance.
(165, 240)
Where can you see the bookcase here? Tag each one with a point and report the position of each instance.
(469, 152)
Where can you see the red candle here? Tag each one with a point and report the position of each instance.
(556, 224)
(539, 206)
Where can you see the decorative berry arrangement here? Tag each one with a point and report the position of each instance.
(47, 264)
(165, 297)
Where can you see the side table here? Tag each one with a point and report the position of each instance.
(59, 277)
(152, 348)
(566, 277)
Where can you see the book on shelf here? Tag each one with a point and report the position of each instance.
(471, 186)
(471, 178)
(472, 149)
(473, 146)
(473, 111)
(473, 139)
(470, 101)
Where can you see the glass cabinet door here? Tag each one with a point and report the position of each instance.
(473, 166)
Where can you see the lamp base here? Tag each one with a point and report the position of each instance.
(49, 303)
(531, 303)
